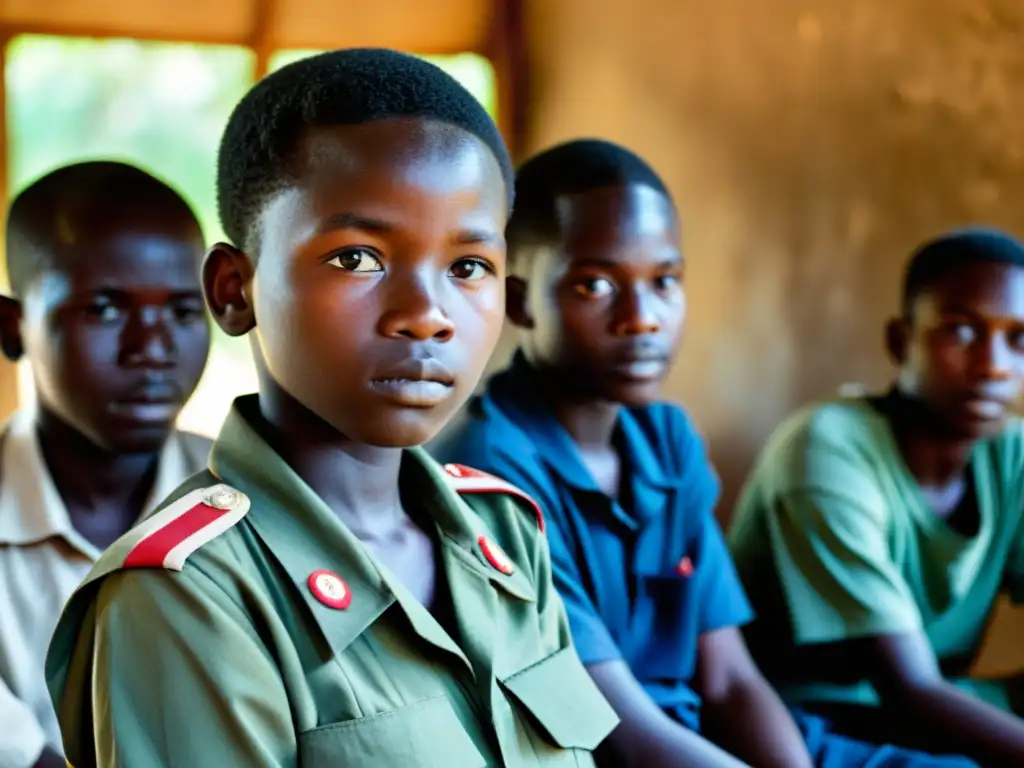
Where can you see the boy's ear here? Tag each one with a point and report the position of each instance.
(897, 339)
(227, 278)
(10, 328)
(517, 306)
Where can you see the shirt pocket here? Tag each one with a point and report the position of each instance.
(426, 734)
(666, 622)
(564, 705)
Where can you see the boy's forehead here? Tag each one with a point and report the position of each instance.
(633, 210)
(391, 146)
(983, 287)
(125, 260)
(607, 218)
(379, 166)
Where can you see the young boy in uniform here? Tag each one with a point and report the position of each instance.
(875, 534)
(326, 595)
(106, 305)
(653, 601)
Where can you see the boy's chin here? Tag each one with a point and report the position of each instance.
(140, 439)
(632, 392)
(402, 430)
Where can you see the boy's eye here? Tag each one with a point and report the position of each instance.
(103, 312)
(357, 260)
(962, 333)
(594, 287)
(666, 282)
(469, 269)
(1015, 338)
(188, 313)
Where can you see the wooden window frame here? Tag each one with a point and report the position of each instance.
(503, 46)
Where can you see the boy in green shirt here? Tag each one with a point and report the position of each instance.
(327, 595)
(875, 534)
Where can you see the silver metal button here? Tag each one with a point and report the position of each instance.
(221, 497)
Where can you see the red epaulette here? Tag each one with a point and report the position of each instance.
(166, 539)
(468, 480)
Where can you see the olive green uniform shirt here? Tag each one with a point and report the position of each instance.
(234, 661)
(834, 540)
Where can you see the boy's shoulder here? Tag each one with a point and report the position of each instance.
(849, 425)
(666, 423)
(496, 501)
(197, 448)
(196, 515)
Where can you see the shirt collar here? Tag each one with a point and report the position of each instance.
(640, 441)
(306, 536)
(31, 507)
(514, 392)
(648, 474)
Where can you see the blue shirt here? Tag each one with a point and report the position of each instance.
(643, 576)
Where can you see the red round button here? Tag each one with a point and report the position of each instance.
(498, 559)
(330, 589)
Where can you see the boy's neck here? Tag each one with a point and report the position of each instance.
(590, 423)
(94, 482)
(933, 459)
(358, 482)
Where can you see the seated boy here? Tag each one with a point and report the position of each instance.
(327, 595)
(876, 533)
(103, 262)
(652, 598)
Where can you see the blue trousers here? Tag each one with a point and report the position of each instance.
(830, 750)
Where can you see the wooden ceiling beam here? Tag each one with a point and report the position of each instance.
(264, 13)
(505, 47)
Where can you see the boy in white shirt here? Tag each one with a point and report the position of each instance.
(106, 306)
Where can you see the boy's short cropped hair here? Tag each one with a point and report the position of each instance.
(42, 213)
(346, 87)
(571, 168)
(935, 258)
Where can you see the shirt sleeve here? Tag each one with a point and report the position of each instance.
(178, 677)
(1014, 580)
(723, 601)
(593, 641)
(828, 536)
(21, 738)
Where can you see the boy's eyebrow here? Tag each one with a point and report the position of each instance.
(111, 292)
(962, 311)
(472, 236)
(673, 263)
(349, 220)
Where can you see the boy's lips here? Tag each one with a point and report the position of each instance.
(415, 382)
(156, 411)
(151, 401)
(642, 369)
(645, 364)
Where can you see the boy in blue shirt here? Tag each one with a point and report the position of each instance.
(654, 603)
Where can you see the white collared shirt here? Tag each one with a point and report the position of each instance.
(42, 561)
